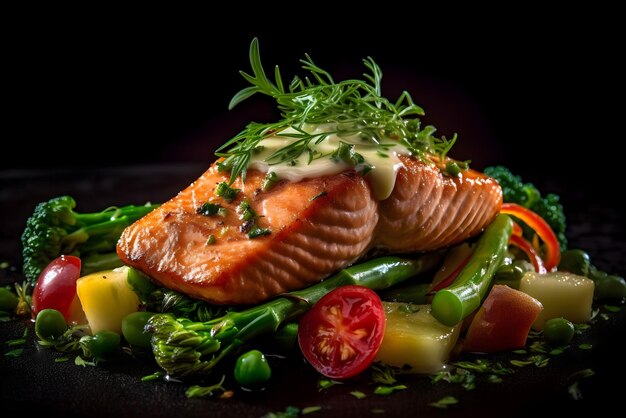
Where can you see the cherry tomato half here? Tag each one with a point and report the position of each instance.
(56, 288)
(341, 334)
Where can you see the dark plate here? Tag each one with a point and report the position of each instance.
(34, 381)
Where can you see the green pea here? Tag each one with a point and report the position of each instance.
(575, 261)
(558, 331)
(102, 345)
(252, 369)
(133, 329)
(50, 324)
(8, 301)
(610, 287)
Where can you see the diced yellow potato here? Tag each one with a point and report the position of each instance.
(562, 294)
(415, 338)
(107, 298)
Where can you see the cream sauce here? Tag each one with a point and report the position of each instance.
(383, 160)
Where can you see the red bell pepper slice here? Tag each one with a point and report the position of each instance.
(530, 252)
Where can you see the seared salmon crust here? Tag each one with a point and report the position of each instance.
(317, 225)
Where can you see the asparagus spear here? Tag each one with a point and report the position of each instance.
(452, 304)
(182, 347)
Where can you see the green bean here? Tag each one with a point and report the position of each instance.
(285, 338)
(414, 293)
(454, 303)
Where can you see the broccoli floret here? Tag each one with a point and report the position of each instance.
(514, 190)
(55, 229)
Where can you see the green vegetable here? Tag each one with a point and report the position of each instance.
(454, 303)
(575, 261)
(610, 287)
(606, 286)
(558, 331)
(133, 329)
(354, 106)
(183, 347)
(527, 195)
(251, 369)
(50, 324)
(55, 228)
(414, 293)
(100, 346)
(8, 300)
(511, 274)
(285, 338)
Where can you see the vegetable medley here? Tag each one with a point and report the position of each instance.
(413, 313)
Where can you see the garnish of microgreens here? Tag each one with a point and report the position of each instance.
(353, 107)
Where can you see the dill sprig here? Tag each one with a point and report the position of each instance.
(354, 107)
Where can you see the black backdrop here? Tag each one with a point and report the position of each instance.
(541, 95)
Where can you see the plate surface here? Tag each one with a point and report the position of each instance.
(34, 381)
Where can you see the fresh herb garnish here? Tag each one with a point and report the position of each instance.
(226, 192)
(289, 412)
(153, 376)
(388, 390)
(197, 391)
(310, 409)
(211, 209)
(317, 196)
(79, 361)
(355, 107)
(14, 353)
(444, 402)
(358, 394)
(269, 181)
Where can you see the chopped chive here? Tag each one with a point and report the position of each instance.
(358, 394)
(444, 402)
(153, 376)
(15, 342)
(226, 192)
(269, 181)
(310, 410)
(211, 209)
(14, 353)
(317, 196)
(256, 232)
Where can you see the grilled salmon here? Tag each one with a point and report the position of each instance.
(300, 232)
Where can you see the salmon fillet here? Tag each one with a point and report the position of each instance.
(317, 226)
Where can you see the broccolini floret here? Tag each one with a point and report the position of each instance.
(55, 229)
(514, 190)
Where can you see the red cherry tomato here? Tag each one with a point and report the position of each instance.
(341, 334)
(56, 287)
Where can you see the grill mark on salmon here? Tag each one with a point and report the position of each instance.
(318, 226)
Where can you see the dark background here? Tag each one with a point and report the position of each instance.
(537, 91)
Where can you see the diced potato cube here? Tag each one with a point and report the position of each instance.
(107, 298)
(415, 338)
(562, 294)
